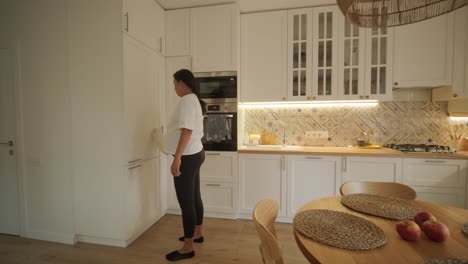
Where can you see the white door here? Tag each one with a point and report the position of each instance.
(9, 220)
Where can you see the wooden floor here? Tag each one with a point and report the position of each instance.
(226, 241)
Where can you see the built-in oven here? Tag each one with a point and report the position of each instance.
(217, 87)
(220, 127)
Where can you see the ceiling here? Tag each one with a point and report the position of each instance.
(246, 6)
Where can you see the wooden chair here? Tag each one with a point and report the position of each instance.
(264, 216)
(385, 188)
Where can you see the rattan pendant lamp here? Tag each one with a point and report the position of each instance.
(390, 13)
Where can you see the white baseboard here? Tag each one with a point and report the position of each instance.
(69, 239)
(279, 219)
(231, 216)
(102, 241)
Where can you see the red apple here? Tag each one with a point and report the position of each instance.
(423, 216)
(435, 231)
(408, 230)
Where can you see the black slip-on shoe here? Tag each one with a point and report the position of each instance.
(196, 240)
(176, 256)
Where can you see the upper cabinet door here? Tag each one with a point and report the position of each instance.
(144, 21)
(214, 37)
(460, 63)
(378, 64)
(263, 56)
(299, 54)
(351, 60)
(325, 52)
(178, 32)
(424, 53)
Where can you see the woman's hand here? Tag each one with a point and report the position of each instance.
(175, 167)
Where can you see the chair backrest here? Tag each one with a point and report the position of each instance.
(264, 216)
(384, 188)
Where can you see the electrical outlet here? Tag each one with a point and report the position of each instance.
(316, 134)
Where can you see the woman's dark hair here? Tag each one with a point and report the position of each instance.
(187, 77)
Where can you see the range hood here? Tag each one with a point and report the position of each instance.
(458, 107)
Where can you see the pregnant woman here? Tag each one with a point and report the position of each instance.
(183, 141)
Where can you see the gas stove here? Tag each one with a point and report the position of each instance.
(416, 148)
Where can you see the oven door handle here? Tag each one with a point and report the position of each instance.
(228, 116)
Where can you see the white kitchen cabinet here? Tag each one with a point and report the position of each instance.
(143, 206)
(378, 71)
(299, 55)
(460, 58)
(372, 169)
(423, 53)
(219, 167)
(214, 34)
(144, 20)
(263, 57)
(351, 60)
(454, 197)
(261, 177)
(178, 32)
(311, 178)
(141, 94)
(115, 82)
(219, 199)
(438, 180)
(325, 52)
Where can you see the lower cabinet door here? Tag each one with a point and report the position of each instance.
(261, 177)
(143, 204)
(378, 169)
(454, 197)
(219, 197)
(311, 178)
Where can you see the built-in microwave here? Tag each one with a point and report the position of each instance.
(217, 86)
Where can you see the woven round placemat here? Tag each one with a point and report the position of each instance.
(339, 229)
(465, 228)
(380, 205)
(446, 261)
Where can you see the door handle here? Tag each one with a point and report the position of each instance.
(8, 143)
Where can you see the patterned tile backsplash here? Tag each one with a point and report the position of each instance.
(388, 122)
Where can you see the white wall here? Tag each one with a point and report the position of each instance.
(40, 30)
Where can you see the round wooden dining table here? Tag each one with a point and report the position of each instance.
(395, 250)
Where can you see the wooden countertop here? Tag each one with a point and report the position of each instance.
(346, 151)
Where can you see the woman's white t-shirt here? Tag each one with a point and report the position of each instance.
(188, 114)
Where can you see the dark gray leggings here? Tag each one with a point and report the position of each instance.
(187, 187)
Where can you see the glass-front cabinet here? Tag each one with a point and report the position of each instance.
(351, 61)
(365, 62)
(299, 54)
(325, 52)
(378, 66)
(313, 53)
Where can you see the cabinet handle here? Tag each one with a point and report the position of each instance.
(308, 97)
(126, 21)
(344, 164)
(160, 44)
(361, 97)
(213, 185)
(9, 143)
(134, 167)
(133, 161)
(313, 98)
(314, 158)
(395, 83)
(455, 95)
(367, 97)
(284, 98)
(213, 154)
(435, 161)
